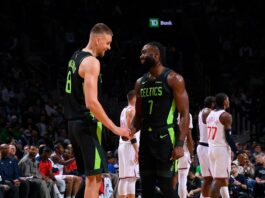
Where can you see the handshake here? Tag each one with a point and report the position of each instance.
(125, 133)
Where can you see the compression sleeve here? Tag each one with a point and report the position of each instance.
(230, 140)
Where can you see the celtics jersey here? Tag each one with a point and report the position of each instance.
(75, 106)
(158, 104)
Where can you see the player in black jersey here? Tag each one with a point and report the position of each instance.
(83, 110)
(161, 93)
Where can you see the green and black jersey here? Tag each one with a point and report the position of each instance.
(75, 107)
(158, 104)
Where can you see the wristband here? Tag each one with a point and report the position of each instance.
(133, 141)
(179, 143)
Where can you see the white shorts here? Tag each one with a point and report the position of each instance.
(202, 152)
(220, 161)
(127, 165)
(184, 161)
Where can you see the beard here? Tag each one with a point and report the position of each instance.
(148, 62)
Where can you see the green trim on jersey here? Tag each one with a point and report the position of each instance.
(171, 113)
(170, 119)
(176, 165)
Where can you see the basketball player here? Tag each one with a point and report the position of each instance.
(83, 110)
(219, 124)
(160, 94)
(202, 148)
(184, 163)
(128, 152)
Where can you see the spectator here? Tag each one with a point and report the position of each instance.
(40, 186)
(194, 185)
(45, 168)
(10, 174)
(260, 176)
(72, 181)
(237, 183)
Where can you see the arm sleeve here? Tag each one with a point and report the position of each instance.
(230, 140)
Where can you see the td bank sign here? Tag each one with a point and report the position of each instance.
(156, 23)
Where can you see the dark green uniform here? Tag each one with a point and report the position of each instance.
(158, 131)
(85, 132)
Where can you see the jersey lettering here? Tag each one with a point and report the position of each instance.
(151, 91)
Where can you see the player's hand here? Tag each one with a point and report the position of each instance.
(124, 132)
(177, 153)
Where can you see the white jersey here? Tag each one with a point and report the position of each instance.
(128, 168)
(215, 129)
(202, 129)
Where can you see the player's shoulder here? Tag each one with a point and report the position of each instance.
(205, 111)
(225, 117)
(174, 76)
(90, 60)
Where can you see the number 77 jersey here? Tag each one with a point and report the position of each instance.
(215, 129)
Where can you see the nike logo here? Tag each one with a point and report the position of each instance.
(163, 136)
(144, 82)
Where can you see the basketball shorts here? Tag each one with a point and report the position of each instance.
(86, 137)
(220, 161)
(202, 152)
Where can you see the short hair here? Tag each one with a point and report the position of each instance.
(161, 49)
(234, 164)
(208, 101)
(44, 149)
(101, 28)
(131, 94)
(220, 98)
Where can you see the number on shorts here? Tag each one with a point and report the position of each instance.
(211, 132)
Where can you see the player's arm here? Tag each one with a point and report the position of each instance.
(177, 84)
(129, 116)
(205, 113)
(190, 142)
(57, 159)
(137, 120)
(226, 120)
(89, 70)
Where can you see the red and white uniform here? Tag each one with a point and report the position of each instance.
(219, 150)
(202, 148)
(127, 166)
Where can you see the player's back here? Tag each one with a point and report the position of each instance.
(74, 100)
(215, 129)
(202, 128)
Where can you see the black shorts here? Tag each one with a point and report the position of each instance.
(86, 137)
(155, 152)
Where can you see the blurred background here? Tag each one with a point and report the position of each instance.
(216, 45)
